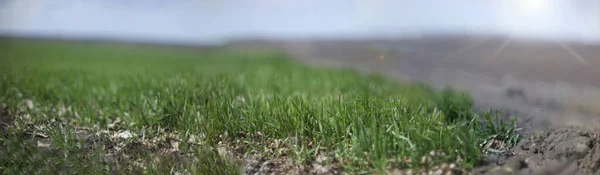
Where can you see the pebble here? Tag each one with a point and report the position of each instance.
(581, 148)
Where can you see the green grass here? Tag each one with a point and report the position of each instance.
(366, 122)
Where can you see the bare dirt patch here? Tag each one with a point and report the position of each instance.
(559, 151)
(274, 158)
(61, 148)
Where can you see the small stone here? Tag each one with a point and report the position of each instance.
(320, 169)
(124, 135)
(321, 158)
(117, 120)
(581, 148)
(444, 166)
(515, 164)
(62, 111)
(452, 166)
(222, 151)
(43, 145)
(29, 104)
(175, 144)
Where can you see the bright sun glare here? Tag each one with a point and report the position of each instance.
(532, 7)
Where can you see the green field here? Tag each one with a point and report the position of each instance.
(76, 107)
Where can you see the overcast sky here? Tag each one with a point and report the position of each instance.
(207, 20)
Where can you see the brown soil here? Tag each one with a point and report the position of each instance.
(113, 147)
(116, 148)
(559, 151)
(273, 160)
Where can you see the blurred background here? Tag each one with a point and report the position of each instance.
(212, 21)
(547, 50)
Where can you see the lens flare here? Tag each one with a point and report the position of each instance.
(500, 49)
